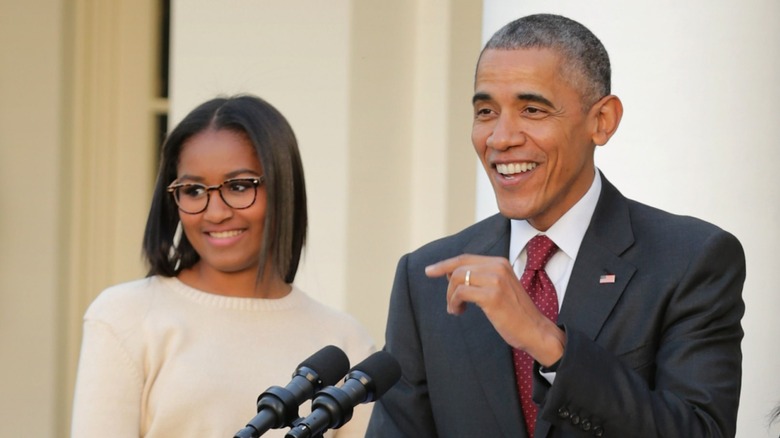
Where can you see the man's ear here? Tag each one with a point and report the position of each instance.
(608, 111)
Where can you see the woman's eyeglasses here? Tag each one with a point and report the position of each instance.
(237, 193)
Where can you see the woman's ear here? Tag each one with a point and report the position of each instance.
(608, 111)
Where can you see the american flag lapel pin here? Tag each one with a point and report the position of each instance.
(607, 279)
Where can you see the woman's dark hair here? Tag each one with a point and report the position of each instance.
(286, 215)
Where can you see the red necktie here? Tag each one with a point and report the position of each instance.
(541, 290)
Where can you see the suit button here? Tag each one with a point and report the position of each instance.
(575, 419)
(585, 425)
(563, 413)
(598, 431)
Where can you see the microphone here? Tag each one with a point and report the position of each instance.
(332, 407)
(278, 407)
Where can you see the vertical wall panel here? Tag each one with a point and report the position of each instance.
(30, 153)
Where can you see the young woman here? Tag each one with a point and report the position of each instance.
(187, 350)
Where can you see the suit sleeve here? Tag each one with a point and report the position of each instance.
(405, 410)
(693, 390)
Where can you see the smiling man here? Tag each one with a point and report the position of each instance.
(575, 311)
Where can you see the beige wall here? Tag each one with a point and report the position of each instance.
(31, 148)
(76, 167)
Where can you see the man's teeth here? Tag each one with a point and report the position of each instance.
(225, 234)
(513, 168)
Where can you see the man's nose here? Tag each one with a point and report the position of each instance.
(507, 132)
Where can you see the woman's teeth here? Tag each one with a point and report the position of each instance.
(225, 234)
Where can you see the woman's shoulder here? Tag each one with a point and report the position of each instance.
(124, 299)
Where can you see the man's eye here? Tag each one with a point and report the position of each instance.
(483, 112)
(534, 111)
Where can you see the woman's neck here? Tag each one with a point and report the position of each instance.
(243, 284)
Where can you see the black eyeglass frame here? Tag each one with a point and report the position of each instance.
(174, 186)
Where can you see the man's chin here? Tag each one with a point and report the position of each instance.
(514, 211)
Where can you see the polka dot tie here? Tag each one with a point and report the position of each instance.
(541, 290)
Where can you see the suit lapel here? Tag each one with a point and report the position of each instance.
(489, 355)
(589, 298)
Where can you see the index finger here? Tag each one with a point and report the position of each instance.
(448, 266)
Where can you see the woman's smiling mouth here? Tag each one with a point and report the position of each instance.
(224, 234)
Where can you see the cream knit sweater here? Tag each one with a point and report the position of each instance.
(161, 359)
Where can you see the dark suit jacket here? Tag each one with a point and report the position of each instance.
(656, 353)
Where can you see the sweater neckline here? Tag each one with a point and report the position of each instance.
(294, 299)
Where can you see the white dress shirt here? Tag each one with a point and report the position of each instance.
(567, 233)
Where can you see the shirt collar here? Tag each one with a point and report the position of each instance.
(567, 232)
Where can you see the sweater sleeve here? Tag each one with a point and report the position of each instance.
(107, 399)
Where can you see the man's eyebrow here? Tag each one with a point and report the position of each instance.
(480, 97)
(531, 97)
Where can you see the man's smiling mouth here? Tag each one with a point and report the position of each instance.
(514, 168)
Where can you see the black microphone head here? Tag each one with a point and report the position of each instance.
(383, 370)
(330, 364)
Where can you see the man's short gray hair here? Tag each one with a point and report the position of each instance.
(585, 62)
